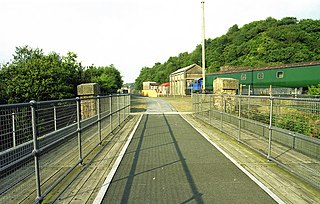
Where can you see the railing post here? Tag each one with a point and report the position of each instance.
(129, 105)
(222, 109)
(270, 128)
(35, 149)
(201, 102)
(210, 109)
(194, 104)
(239, 124)
(111, 112)
(14, 129)
(118, 109)
(122, 107)
(55, 117)
(198, 105)
(79, 129)
(99, 118)
(293, 140)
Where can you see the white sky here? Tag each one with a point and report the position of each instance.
(130, 34)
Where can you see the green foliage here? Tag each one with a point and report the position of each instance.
(109, 78)
(32, 75)
(3, 97)
(257, 44)
(314, 90)
(295, 122)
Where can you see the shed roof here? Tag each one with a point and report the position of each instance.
(165, 84)
(185, 69)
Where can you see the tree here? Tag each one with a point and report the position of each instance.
(3, 97)
(75, 70)
(260, 43)
(32, 75)
(108, 78)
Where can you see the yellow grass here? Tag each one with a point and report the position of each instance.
(181, 104)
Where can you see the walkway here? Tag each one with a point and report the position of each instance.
(168, 161)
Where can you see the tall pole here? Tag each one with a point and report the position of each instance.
(203, 51)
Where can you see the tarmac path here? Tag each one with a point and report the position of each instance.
(168, 161)
(157, 105)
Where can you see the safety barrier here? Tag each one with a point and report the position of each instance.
(285, 130)
(42, 142)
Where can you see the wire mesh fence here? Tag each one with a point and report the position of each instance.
(285, 130)
(41, 142)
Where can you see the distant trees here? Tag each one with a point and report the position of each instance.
(259, 43)
(33, 75)
(108, 77)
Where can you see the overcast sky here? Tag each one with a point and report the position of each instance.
(130, 34)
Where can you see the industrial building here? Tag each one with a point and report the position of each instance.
(180, 79)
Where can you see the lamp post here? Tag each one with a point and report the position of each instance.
(203, 51)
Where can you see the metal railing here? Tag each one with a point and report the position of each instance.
(285, 130)
(41, 142)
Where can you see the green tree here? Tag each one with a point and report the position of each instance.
(32, 75)
(3, 97)
(74, 69)
(260, 43)
(108, 78)
(145, 75)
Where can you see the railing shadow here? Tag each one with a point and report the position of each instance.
(196, 195)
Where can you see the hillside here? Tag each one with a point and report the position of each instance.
(257, 44)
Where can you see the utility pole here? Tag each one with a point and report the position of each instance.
(203, 51)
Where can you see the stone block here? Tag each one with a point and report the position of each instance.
(88, 89)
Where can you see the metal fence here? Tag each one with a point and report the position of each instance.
(41, 142)
(285, 130)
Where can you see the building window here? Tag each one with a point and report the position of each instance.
(260, 75)
(243, 76)
(280, 75)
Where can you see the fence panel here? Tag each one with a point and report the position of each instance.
(42, 142)
(283, 129)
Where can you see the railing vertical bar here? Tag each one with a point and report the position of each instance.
(111, 112)
(118, 109)
(270, 128)
(239, 114)
(55, 117)
(99, 118)
(35, 149)
(79, 129)
(210, 109)
(14, 130)
(222, 108)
